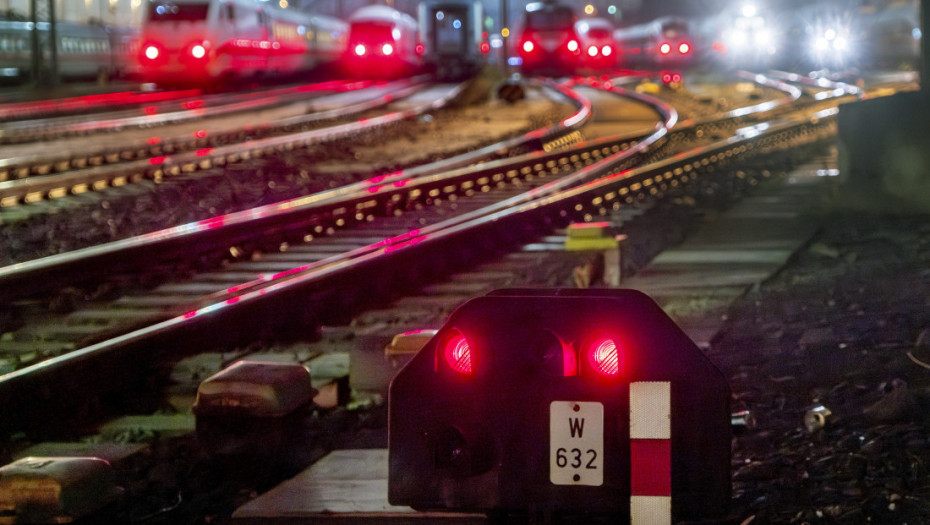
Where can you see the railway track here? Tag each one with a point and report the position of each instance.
(518, 181)
(79, 166)
(302, 288)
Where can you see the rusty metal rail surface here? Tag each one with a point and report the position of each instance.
(299, 292)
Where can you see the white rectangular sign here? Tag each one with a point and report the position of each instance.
(576, 443)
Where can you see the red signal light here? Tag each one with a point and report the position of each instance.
(420, 48)
(456, 351)
(604, 356)
(485, 47)
(684, 48)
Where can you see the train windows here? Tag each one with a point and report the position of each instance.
(166, 12)
(228, 12)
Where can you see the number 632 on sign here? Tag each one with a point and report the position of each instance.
(576, 443)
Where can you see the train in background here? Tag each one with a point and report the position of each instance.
(598, 47)
(664, 42)
(383, 42)
(85, 51)
(815, 37)
(453, 44)
(548, 42)
(212, 42)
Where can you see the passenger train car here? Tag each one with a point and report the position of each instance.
(451, 36)
(383, 42)
(83, 50)
(598, 48)
(664, 42)
(548, 42)
(202, 42)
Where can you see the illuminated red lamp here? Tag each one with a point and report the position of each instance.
(198, 51)
(387, 50)
(665, 48)
(360, 50)
(528, 46)
(485, 47)
(456, 351)
(684, 48)
(153, 53)
(420, 48)
(573, 46)
(603, 355)
(592, 51)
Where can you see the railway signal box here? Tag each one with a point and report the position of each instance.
(568, 402)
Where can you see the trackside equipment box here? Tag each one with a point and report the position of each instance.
(563, 401)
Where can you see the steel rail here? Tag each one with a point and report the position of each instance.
(196, 108)
(331, 282)
(533, 216)
(36, 276)
(131, 161)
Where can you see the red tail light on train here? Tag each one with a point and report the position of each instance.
(195, 52)
(153, 54)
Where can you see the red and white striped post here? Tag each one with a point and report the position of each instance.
(650, 453)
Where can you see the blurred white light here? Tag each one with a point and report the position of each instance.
(749, 10)
(840, 44)
(457, 24)
(387, 49)
(765, 38)
(916, 33)
(738, 39)
(573, 45)
(821, 44)
(829, 34)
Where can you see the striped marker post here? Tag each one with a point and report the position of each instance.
(650, 453)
